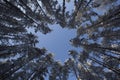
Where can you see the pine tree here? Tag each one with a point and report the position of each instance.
(101, 46)
(17, 46)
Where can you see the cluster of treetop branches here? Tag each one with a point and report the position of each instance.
(98, 35)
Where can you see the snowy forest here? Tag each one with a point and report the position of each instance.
(97, 25)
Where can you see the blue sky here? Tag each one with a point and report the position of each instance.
(57, 41)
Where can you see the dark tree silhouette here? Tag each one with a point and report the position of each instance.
(98, 38)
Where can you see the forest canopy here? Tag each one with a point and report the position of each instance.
(97, 25)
